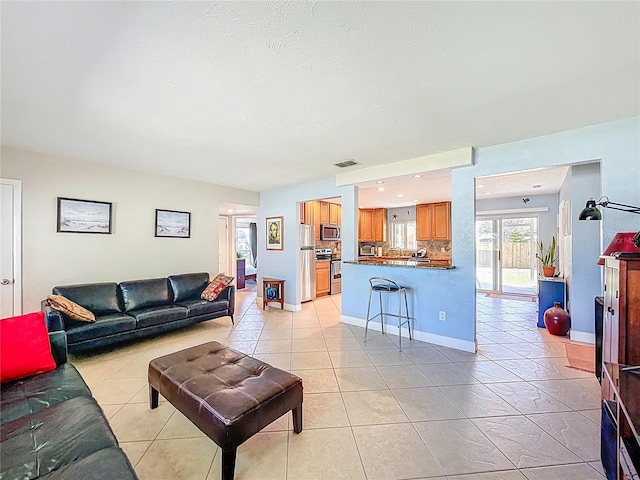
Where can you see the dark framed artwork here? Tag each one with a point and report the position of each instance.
(173, 224)
(83, 216)
(275, 233)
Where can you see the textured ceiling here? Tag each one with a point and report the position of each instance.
(263, 94)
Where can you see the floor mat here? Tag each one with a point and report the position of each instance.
(580, 357)
(507, 296)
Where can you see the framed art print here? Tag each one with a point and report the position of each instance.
(173, 224)
(83, 216)
(275, 233)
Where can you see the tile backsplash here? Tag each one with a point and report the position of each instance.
(436, 250)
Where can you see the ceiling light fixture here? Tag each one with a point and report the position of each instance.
(417, 176)
(416, 200)
(379, 182)
(488, 193)
(380, 189)
(400, 195)
(480, 185)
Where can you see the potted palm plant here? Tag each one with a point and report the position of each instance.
(548, 257)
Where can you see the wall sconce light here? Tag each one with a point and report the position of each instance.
(591, 212)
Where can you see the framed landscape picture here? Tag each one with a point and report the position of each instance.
(83, 216)
(275, 233)
(171, 223)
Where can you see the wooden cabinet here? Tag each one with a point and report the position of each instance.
(335, 213)
(380, 225)
(323, 277)
(621, 320)
(317, 212)
(372, 225)
(433, 221)
(620, 383)
(303, 210)
(324, 212)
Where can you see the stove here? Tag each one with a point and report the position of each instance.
(323, 254)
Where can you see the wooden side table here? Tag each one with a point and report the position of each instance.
(276, 283)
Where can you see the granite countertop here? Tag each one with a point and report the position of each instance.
(405, 263)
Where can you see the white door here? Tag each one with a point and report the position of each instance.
(223, 245)
(10, 245)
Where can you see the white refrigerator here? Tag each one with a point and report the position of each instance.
(307, 263)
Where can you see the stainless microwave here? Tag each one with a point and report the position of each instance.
(329, 232)
(367, 251)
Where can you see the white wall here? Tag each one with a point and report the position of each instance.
(131, 252)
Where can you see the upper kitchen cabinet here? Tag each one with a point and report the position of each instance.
(433, 221)
(335, 214)
(372, 225)
(324, 212)
(317, 212)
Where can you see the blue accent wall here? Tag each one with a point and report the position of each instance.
(615, 144)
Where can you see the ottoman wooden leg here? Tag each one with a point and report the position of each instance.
(153, 397)
(297, 419)
(228, 463)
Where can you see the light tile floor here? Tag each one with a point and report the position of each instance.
(514, 411)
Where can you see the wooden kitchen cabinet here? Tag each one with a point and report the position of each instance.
(324, 212)
(335, 213)
(433, 221)
(372, 225)
(323, 277)
(621, 320)
(303, 215)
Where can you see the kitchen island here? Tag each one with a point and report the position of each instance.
(431, 295)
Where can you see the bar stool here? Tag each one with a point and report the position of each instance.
(383, 285)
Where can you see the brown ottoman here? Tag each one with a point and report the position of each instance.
(226, 394)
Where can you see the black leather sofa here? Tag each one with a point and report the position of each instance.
(51, 428)
(136, 309)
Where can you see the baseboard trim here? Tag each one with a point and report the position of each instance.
(583, 337)
(442, 340)
(287, 306)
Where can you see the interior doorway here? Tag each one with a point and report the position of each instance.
(10, 248)
(223, 244)
(505, 255)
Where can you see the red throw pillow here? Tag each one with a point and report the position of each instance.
(24, 347)
(216, 287)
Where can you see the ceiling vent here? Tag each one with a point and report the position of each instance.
(346, 163)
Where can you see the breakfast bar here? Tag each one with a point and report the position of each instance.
(434, 301)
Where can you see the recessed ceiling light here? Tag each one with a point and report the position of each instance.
(360, 206)
(380, 189)
(229, 211)
(488, 193)
(480, 185)
(417, 176)
(379, 182)
(537, 186)
(400, 195)
(416, 200)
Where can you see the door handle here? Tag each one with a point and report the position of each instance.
(6, 281)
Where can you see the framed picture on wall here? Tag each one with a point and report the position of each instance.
(275, 233)
(83, 216)
(173, 224)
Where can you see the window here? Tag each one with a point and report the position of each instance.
(403, 235)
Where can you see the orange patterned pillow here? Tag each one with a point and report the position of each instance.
(71, 309)
(214, 289)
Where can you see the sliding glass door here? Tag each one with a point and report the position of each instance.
(505, 255)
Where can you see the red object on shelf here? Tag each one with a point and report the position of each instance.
(622, 242)
(557, 320)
